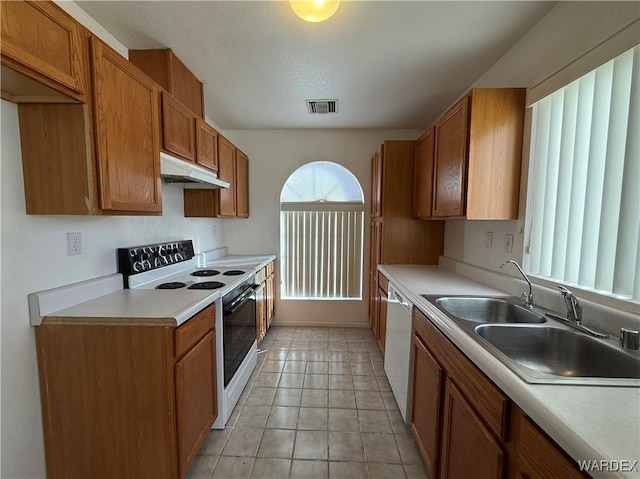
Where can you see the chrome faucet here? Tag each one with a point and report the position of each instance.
(574, 310)
(527, 298)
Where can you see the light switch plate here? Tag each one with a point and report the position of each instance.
(488, 239)
(508, 243)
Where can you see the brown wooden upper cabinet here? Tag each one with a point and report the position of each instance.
(178, 128)
(172, 75)
(477, 153)
(227, 172)
(127, 143)
(232, 202)
(96, 158)
(40, 42)
(423, 174)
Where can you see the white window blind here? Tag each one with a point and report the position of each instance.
(585, 175)
(321, 233)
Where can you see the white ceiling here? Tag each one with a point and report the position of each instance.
(391, 64)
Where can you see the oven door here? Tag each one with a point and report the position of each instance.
(239, 331)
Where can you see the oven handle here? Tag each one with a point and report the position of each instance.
(238, 301)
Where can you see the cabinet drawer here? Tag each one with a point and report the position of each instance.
(195, 329)
(490, 403)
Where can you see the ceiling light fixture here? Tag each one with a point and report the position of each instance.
(314, 10)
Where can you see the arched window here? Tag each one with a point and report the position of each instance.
(321, 233)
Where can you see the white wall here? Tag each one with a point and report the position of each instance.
(273, 156)
(567, 32)
(34, 257)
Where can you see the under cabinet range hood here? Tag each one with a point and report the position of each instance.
(188, 175)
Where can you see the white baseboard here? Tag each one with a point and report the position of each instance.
(321, 324)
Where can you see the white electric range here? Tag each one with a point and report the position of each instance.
(174, 266)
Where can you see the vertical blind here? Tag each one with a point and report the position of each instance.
(585, 175)
(321, 250)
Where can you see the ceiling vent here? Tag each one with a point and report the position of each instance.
(322, 107)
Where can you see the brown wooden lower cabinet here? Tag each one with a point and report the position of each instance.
(127, 401)
(538, 457)
(465, 426)
(468, 448)
(427, 379)
(382, 318)
(265, 304)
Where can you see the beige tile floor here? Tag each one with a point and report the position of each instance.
(318, 405)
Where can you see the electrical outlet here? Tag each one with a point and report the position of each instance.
(508, 243)
(488, 239)
(215, 229)
(74, 243)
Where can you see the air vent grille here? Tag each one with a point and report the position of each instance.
(322, 107)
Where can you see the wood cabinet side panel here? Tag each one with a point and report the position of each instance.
(154, 63)
(200, 203)
(185, 86)
(495, 153)
(423, 175)
(98, 384)
(405, 240)
(57, 163)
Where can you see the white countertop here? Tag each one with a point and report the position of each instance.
(588, 422)
(149, 307)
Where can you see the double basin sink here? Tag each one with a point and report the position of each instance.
(538, 349)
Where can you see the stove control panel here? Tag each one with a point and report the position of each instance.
(139, 259)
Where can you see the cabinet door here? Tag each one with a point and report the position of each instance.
(376, 183)
(196, 402)
(423, 175)
(426, 395)
(242, 185)
(126, 129)
(226, 172)
(178, 128)
(206, 145)
(44, 43)
(450, 165)
(468, 448)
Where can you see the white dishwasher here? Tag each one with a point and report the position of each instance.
(397, 350)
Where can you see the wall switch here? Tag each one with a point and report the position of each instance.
(508, 243)
(488, 239)
(74, 244)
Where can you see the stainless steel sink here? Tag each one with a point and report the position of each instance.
(537, 350)
(561, 352)
(488, 310)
